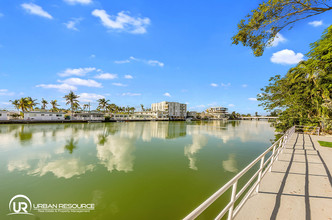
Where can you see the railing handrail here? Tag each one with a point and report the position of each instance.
(276, 147)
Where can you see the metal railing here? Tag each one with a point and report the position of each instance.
(265, 166)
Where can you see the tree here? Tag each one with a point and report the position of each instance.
(86, 107)
(72, 99)
(301, 95)
(261, 27)
(103, 103)
(16, 103)
(23, 104)
(142, 107)
(31, 103)
(44, 103)
(55, 105)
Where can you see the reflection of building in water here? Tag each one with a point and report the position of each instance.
(199, 141)
(230, 164)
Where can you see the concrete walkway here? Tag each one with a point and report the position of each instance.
(299, 185)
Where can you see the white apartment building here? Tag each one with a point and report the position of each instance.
(175, 110)
(44, 116)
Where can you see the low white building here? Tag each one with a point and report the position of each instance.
(3, 115)
(145, 115)
(217, 112)
(174, 110)
(44, 116)
(89, 116)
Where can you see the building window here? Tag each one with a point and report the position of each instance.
(41, 114)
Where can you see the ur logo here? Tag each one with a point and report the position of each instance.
(20, 204)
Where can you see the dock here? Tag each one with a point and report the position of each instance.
(299, 185)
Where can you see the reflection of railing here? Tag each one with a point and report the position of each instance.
(265, 166)
(307, 129)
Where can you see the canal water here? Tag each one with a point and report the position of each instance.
(126, 170)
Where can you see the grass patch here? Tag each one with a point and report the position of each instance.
(325, 143)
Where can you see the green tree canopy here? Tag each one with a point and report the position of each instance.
(304, 93)
(259, 28)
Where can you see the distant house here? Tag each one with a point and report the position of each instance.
(44, 116)
(217, 112)
(89, 116)
(3, 115)
(192, 114)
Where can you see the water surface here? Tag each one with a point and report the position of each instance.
(130, 170)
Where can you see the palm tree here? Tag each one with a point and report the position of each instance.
(72, 99)
(44, 103)
(23, 104)
(86, 106)
(31, 103)
(142, 107)
(16, 103)
(103, 103)
(54, 104)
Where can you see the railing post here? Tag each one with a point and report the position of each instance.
(272, 158)
(230, 212)
(318, 131)
(260, 173)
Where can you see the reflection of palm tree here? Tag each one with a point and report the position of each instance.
(102, 138)
(71, 145)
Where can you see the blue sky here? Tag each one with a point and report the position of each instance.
(140, 52)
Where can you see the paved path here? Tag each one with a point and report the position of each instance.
(299, 185)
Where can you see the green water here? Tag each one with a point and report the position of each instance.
(134, 170)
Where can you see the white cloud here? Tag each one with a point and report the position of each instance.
(92, 56)
(61, 87)
(122, 22)
(106, 76)
(1, 15)
(286, 57)
(231, 105)
(252, 99)
(155, 63)
(81, 82)
(244, 85)
(34, 9)
(149, 62)
(121, 61)
(316, 23)
(76, 72)
(214, 85)
(118, 84)
(89, 97)
(131, 94)
(72, 23)
(277, 39)
(200, 106)
(167, 94)
(225, 85)
(128, 77)
(4, 92)
(74, 2)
